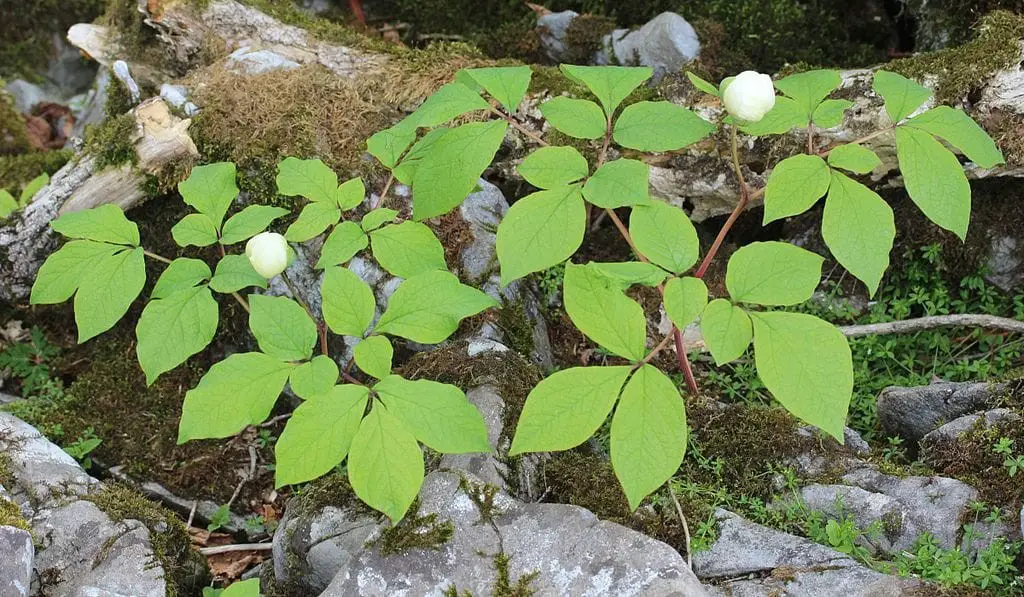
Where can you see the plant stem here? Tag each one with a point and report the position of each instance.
(684, 363)
(522, 129)
(152, 255)
(864, 139)
(657, 349)
(810, 137)
(745, 197)
(384, 191)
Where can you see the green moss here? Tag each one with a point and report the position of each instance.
(17, 170)
(333, 489)
(6, 471)
(13, 134)
(517, 326)
(414, 532)
(962, 69)
(10, 516)
(504, 586)
(584, 37)
(184, 569)
(113, 141)
(27, 45)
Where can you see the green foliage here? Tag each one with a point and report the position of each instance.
(934, 180)
(374, 356)
(343, 243)
(618, 183)
(685, 299)
(540, 231)
(427, 307)
(859, 228)
(773, 273)
(610, 84)
(407, 249)
(385, 464)
(582, 119)
(175, 327)
(506, 84)
(794, 186)
(315, 377)
(855, 158)
(727, 330)
(348, 303)
(27, 361)
(659, 126)
(319, 434)
(804, 102)
(551, 167)
(598, 307)
(664, 235)
(282, 328)
(902, 96)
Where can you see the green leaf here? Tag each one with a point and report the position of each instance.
(830, 113)
(685, 299)
(604, 313)
(389, 144)
(507, 84)
(726, 329)
(342, 244)
(107, 290)
(311, 179)
(350, 194)
(428, 307)
(377, 218)
(859, 228)
(448, 102)
(566, 408)
(794, 186)
(665, 235)
(32, 187)
(244, 588)
(773, 273)
(385, 464)
(62, 272)
(438, 414)
(282, 328)
(628, 273)
(550, 167)
(314, 219)
(581, 119)
(703, 85)
(902, 96)
(237, 392)
(348, 303)
(234, 272)
(659, 126)
(172, 329)
(540, 230)
(373, 356)
(648, 434)
(7, 204)
(450, 171)
(854, 157)
(618, 183)
(407, 249)
(934, 179)
(788, 114)
(105, 223)
(405, 172)
(611, 84)
(957, 128)
(809, 88)
(249, 222)
(194, 229)
(318, 435)
(182, 273)
(806, 364)
(210, 189)
(315, 378)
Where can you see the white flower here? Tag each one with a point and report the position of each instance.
(749, 96)
(268, 252)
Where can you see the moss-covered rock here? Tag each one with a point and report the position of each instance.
(943, 23)
(10, 516)
(184, 569)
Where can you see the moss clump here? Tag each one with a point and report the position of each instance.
(184, 569)
(333, 489)
(10, 516)
(13, 134)
(113, 141)
(6, 471)
(517, 326)
(17, 170)
(584, 37)
(28, 27)
(962, 69)
(414, 532)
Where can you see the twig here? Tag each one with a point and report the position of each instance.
(686, 527)
(654, 352)
(522, 129)
(933, 322)
(384, 191)
(211, 551)
(192, 514)
(275, 420)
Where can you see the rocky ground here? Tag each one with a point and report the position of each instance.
(924, 498)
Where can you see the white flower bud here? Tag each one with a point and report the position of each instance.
(749, 96)
(268, 252)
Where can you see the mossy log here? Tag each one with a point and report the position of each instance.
(158, 141)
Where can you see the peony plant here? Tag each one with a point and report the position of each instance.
(374, 420)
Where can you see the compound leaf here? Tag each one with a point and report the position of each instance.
(233, 273)
(659, 126)
(385, 464)
(282, 328)
(174, 328)
(407, 249)
(373, 356)
(105, 223)
(809, 88)
(107, 290)
(313, 220)
(664, 234)
(902, 96)
(249, 222)
(318, 434)
(786, 115)
(210, 189)
(854, 157)
(685, 299)
(960, 131)
(428, 307)
(628, 273)
(181, 274)
(438, 414)
(540, 230)
(829, 114)
(194, 229)
(312, 379)
(377, 218)
(507, 84)
(62, 272)
(604, 313)
(311, 179)
(448, 102)
(611, 84)
(342, 244)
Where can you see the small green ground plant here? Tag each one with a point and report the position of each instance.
(9, 205)
(376, 420)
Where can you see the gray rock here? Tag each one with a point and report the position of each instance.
(787, 565)
(1005, 264)
(17, 552)
(485, 467)
(552, 28)
(482, 211)
(569, 549)
(177, 96)
(665, 43)
(911, 413)
(933, 504)
(85, 553)
(249, 61)
(45, 474)
(26, 95)
(950, 432)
